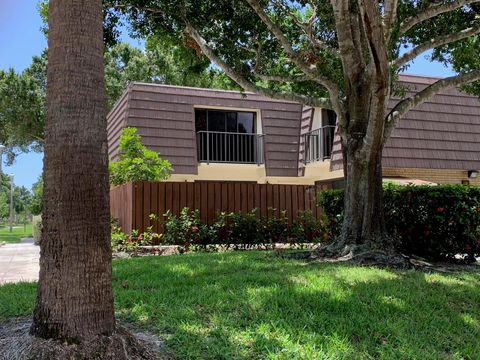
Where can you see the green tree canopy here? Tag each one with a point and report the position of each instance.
(22, 116)
(136, 162)
(36, 205)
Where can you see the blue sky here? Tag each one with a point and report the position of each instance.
(21, 38)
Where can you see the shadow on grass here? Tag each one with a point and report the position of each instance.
(252, 306)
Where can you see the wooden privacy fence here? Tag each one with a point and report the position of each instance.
(132, 203)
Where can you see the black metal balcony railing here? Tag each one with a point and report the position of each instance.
(227, 147)
(318, 144)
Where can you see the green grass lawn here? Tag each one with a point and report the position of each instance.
(17, 233)
(250, 305)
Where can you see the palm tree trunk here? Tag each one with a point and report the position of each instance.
(74, 298)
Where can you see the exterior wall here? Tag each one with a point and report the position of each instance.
(164, 117)
(442, 133)
(116, 121)
(439, 176)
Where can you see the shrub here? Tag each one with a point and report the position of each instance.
(307, 228)
(243, 229)
(136, 162)
(130, 243)
(275, 229)
(240, 230)
(430, 221)
(186, 229)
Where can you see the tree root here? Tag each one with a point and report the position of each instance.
(365, 255)
(16, 343)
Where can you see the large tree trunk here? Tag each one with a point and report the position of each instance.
(363, 221)
(74, 299)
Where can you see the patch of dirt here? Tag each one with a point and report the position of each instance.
(126, 343)
(382, 259)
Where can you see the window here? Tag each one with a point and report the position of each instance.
(225, 121)
(227, 136)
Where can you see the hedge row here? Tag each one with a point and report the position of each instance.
(430, 221)
(235, 229)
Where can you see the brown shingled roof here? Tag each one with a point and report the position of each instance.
(442, 133)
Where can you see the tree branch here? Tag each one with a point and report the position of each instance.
(248, 85)
(407, 104)
(282, 78)
(307, 28)
(390, 17)
(433, 43)
(291, 53)
(432, 11)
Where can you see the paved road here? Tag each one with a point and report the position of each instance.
(19, 262)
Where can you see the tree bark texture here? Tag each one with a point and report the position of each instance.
(74, 298)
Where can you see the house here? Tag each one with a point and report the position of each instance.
(211, 135)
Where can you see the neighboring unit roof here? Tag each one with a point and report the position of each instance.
(442, 133)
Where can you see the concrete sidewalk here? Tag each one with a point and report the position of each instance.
(19, 262)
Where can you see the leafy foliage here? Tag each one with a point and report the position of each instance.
(158, 63)
(431, 221)
(4, 196)
(130, 243)
(240, 230)
(22, 117)
(37, 194)
(136, 162)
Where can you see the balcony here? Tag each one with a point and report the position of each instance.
(229, 147)
(318, 144)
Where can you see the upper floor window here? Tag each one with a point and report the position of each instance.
(225, 121)
(228, 136)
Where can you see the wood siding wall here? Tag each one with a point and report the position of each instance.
(116, 121)
(442, 133)
(141, 199)
(164, 117)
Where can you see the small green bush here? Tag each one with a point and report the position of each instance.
(136, 162)
(130, 243)
(185, 229)
(431, 221)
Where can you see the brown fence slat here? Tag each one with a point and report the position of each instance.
(161, 195)
(217, 207)
(190, 196)
(231, 197)
(288, 202)
(294, 204)
(138, 191)
(269, 203)
(204, 202)
(238, 193)
(146, 204)
(183, 195)
(224, 197)
(154, 203)
(176, 198)
(197, 196)
(168, 197)
(251, 203)
(244, 198)
(211, 202)
(133, 203)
